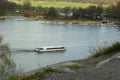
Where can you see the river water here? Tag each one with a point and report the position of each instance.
(24, 36)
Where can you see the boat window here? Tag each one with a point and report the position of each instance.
(41, 48)
(56, 48)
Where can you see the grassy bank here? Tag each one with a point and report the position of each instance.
(40, 74)
(73, 66)
(30, 76)
(106, 50)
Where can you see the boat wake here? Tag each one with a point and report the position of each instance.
(20, 51)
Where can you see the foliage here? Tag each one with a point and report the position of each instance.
(38, 74)
(6, 6)
(113, 11)
(92, 12)
(52, 12)
(106, 50)
(26, 4)
(7, 67)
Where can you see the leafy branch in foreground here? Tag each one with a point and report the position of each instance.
(7, 66)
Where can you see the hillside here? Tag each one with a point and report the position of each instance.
(81, 1)
(57, 4)
(86, 1)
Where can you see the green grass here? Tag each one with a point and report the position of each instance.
(59, 4)
(40, 74)
(107, 50)
(30, 76)
(73, 66)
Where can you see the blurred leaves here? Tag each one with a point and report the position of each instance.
(7, 66)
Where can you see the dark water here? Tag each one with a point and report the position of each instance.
(24, 36)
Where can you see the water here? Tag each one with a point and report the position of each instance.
(24, 36)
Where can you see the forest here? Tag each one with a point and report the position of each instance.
(91, 12)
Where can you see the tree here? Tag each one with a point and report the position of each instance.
(67, 11)
(113, 11)
(91, 11)
(99, 11)
(7, 66)
(76, 13)
(118, 10)
(6, 6)
(26, 4)
(52, 12)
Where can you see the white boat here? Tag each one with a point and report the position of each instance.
(50, 49)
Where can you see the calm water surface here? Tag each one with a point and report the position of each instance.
(24, 36)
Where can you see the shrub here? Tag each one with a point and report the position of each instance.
(38, 74)
(107, 50)
(7, 66)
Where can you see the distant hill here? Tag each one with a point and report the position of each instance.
(87, 1)
(81, 1)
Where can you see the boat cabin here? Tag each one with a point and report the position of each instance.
(50, 48)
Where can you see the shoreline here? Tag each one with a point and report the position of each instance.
(86, 62)
(80, 23)
(3, 17)
(83, 22)
(90, 66)
(75, 21)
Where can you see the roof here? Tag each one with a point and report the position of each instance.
(51, 47)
